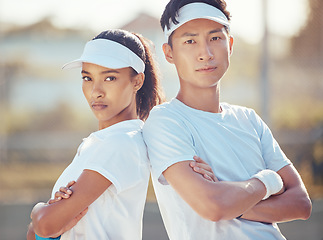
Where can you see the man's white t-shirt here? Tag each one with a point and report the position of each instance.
(236, 143)
(119, 154)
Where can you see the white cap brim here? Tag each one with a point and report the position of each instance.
(109, 54)
(194, 11)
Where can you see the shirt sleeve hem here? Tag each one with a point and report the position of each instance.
(159, 172)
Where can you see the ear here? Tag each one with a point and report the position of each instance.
(231, 44)
(168, 52)
(138, 81)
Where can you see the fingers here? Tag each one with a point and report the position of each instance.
(199, 163)
(50, 201)
(65, 190)
(63, 193)
(70, 184)
(201, 167)
(198, 159)
(206, 174)
(58, 196)
(208, 177)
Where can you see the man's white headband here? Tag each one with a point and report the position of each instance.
(109, 54)
(196, 11)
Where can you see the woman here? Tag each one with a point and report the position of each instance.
(111, 165)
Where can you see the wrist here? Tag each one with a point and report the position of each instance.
(271, 180)
(41, 238)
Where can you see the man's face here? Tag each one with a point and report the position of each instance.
(201, 52)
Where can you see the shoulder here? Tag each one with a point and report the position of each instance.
(164, 109)
(124, 136)
(241, 112)
(238, 108)
(165, 113)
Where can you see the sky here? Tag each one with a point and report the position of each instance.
(285, 17)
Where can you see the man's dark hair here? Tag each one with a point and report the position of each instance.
(171, 11)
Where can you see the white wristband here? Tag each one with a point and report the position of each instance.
(271, 180)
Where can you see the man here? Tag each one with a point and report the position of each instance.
(255, 185)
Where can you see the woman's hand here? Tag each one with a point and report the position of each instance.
(203, 168)
(63, 193)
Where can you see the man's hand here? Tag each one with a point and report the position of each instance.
(203, 168)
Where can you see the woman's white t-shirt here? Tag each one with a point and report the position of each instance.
(119, 154)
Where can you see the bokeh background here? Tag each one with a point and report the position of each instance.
(276, 68)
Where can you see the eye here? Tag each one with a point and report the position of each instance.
(111, 78)
(215, 38)
(86, 79)
(191, 41)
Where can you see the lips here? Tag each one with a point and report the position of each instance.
(98, 106)
(206, 69)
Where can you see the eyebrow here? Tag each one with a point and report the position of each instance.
(216, 30)
(103, 72)
(188, 34)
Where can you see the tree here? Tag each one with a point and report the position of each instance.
(307, 47)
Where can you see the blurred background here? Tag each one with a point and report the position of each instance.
(276, 68)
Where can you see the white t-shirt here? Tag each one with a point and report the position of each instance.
(119, 154)
(236, 143)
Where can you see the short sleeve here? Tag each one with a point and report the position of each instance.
(117, 158)
(274, 157)
(168, 142)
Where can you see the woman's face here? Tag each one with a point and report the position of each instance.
(111, 93)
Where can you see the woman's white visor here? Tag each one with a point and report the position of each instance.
(109, 54)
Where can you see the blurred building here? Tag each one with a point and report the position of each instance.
(43, 110)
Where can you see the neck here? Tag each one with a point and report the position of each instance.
(207, 100)
(128, 113)
(106, 124)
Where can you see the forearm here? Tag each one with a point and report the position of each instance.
(238, 197)
(51, 219)
(231, 199)
(214, 200)
(291, 205)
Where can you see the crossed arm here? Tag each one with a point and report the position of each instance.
(213, 200)
(49, 220)
(293, 204)
(226, 200)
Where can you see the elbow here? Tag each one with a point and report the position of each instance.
(213, 216)
(213, 211)
(42, 227)
(305, 208)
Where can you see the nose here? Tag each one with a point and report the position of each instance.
(205, 53)
(97, 91)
